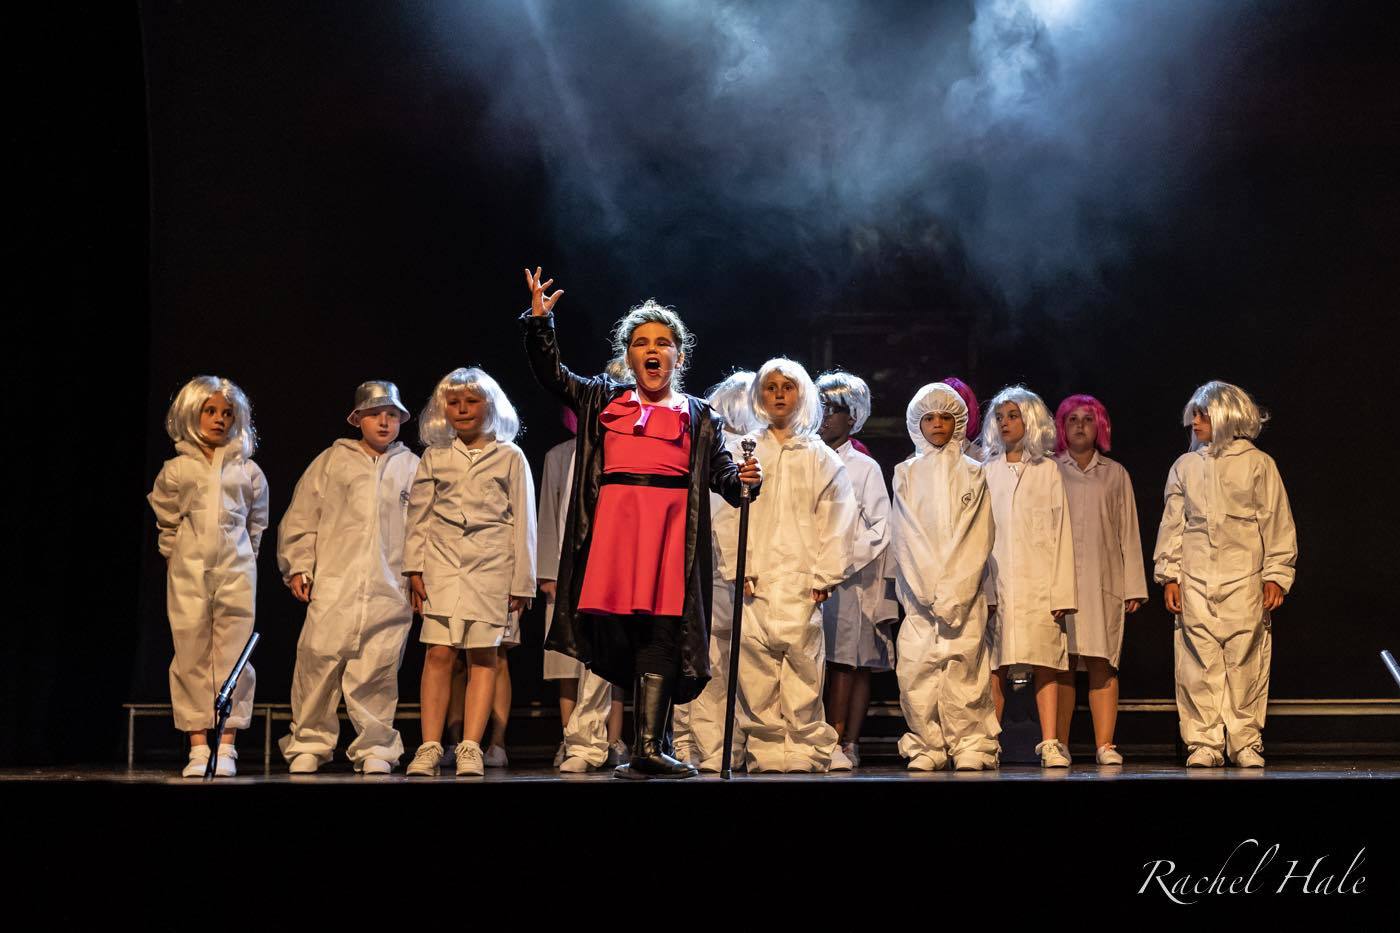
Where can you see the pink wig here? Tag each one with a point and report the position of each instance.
(1103, 429)
(569, 419)
(974, 415)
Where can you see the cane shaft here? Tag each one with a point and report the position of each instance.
(731, 695)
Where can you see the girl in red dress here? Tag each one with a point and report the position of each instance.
(633, 592)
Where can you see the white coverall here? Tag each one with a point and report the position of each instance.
(943, 535)
(471, 532)
(1032, 565)
(1226, 530)
(1107, 555)
(344, 532)
(800, 531)
(211, 515)
(586, 731)
(699, 724)
(856, 617)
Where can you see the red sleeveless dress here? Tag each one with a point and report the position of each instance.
(636, 562)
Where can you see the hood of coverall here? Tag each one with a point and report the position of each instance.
(936, 397)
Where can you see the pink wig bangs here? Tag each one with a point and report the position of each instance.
(1103, 428)
(974, 414)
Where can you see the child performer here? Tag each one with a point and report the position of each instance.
(210, 501)
(699, 724)
(1225, 554)
(799, 549)
(858, 616)
(589, 711)
(972, 446)
(470, 553)
(633, 592)
(942, 541)
(1108, 564)
(340, 549)
(1032, 565)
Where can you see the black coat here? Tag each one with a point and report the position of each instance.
(601, 642)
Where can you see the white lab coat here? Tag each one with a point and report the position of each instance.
(1226, 530)
(1032, 565)
(800, 532)
(471, 531)
(858, 614)
(586, 731)
(211, 515)
(344, 531)
(1108, 563)
(942, 540)
(699, 724)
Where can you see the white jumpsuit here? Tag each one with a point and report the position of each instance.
(344, 531)
(211, 515)
(471, 533)
(1107, 555)
(1226, 530)
(586, 731)
(800, 532)
(942, 540)
(699, 724)
(1032, 565)
(858, 615)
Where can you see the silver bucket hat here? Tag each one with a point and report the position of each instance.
(377, 393)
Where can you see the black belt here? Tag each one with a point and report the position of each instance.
(664, 481)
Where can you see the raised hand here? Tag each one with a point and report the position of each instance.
(540, 303)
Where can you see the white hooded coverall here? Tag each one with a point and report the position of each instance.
(471, 533)
(800, 532)
(1227, 529)
(1032, 566)
(699, 724)
(586, 731)
(943, 536)
(1107, 555)
(344, 531)
(211, 515)
(856, 616)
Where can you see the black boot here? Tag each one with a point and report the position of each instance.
(651, 702)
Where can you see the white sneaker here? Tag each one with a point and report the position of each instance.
(974, 761)
(559, 755)
(1204, 757)
(573, 765)
(839, 761)
(853, 753)
(1248, 758)
(495, 757)
(305, 763)
(469, 760)
(1052, 754)
(1108, 755)
(928, 763)
(199, 761)
(425, 761)
(618, 754)
(226, 765)
(376, 766)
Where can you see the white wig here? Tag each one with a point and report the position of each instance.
(1040, 424)
(436, 431)
(730, 398)
(849, 392)
(941, 398)
(806, 412)
(182, 420)
(1231, 411)
(650, 312)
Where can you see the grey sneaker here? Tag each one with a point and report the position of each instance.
(495, 757)
(1204, 757)
(1248, 758)
(559, 755)
(425, 761)
(618, 754)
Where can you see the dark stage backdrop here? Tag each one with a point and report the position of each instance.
(349, 191)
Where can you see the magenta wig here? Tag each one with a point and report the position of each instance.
(974, 419)
(1103, 428)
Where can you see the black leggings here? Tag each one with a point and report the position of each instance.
(656, 644)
